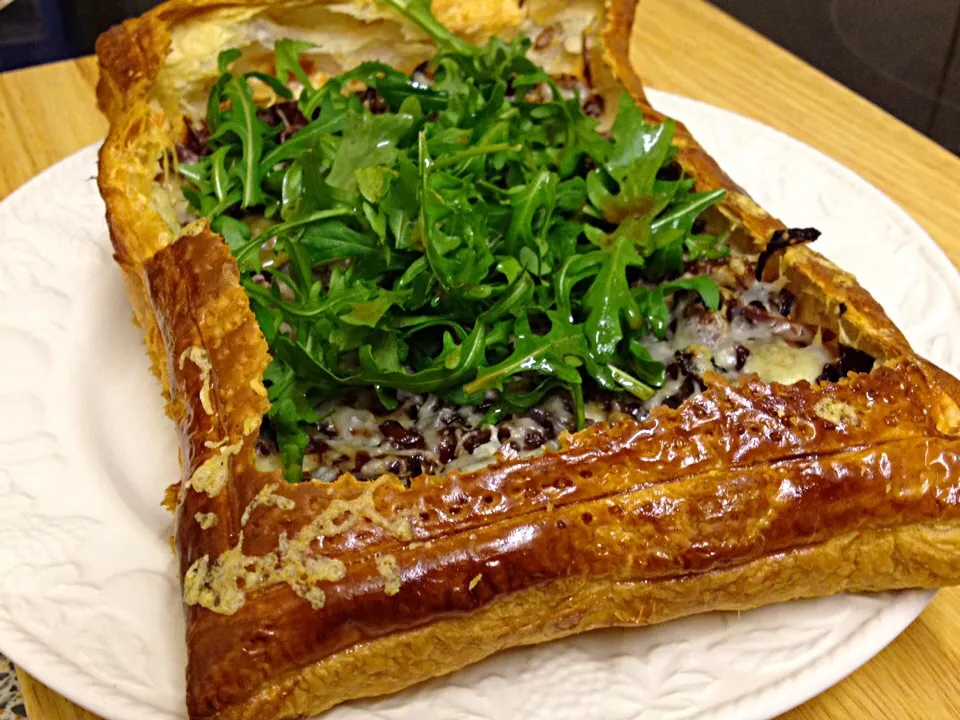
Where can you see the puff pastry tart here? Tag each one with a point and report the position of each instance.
(469, 347)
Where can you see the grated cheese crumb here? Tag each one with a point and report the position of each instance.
(206, 520)
(199, 357)
(265, 498)
(836, 412)
(221, 585)
(211, 477)
(251, 423)
(387, 567)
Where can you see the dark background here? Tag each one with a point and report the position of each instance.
(901, 54)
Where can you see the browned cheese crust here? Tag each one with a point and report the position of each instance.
(747, 494)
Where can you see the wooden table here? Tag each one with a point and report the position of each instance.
(690, 48)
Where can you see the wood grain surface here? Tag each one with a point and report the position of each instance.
(689, 48)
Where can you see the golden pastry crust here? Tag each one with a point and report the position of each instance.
(746, 495)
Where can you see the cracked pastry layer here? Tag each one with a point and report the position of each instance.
(298, 597)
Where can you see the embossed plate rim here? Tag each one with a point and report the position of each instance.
(893, 613)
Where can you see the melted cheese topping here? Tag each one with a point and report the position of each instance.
(199, 357)
(211, 477)
(214, 473)
(776, 361)
(836, 412)
(222, 585)
(387, 567)
(205, 520)
(266, 497)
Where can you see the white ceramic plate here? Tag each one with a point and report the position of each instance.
(88, 599)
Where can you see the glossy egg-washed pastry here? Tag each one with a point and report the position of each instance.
(722, 421)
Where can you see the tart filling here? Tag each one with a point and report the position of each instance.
(460, 263)
(424, 434)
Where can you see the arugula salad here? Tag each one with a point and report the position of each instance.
(449, 253)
